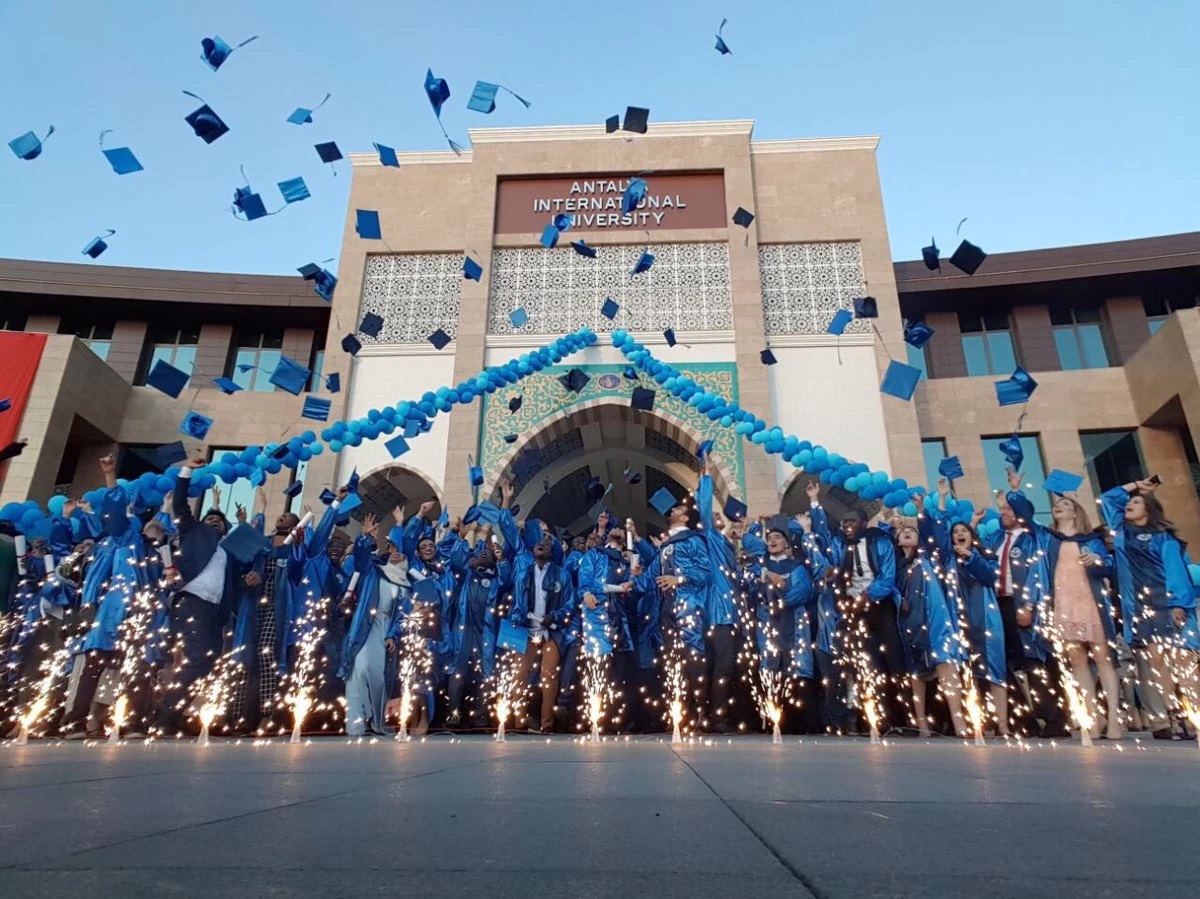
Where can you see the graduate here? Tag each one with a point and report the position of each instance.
(379, 602)
(1158, 602)
(604, 580)
(720, 613)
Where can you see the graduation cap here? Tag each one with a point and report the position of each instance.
(214, 50)
(642, 399)
(779, 524)
(950, 468)
(351, 344)
(634, 193)
(294, 190)
(244, 367)
(5, 404)
(438, 92)
(742, 217)
(483, 98)
(244, 543)
(334, 382)
(328, 152)
(195, 425)
(917, 334)
(511, 438)
(968, 257)
(1016, 389)
(121, 159)
(767, 357)
(1060, 482)
(643, 263)
(248, 203)
(562, 221)
(412, 428)
(316, 408)
(929, 255)
(280, 452)
(663, 501)
(574, 380)
(98, 245)
(366, 224)
(206, 124)
(631, 476)
(167, 378)
(518, 317)
(163, 457)
(290, 375)
(900, 380)
(397, 446)
(474, 473)
(514, 404)
(13, 450)
(439, 339)
(722, 47)
(549, 238)
(669, 337)
(28, 145)
(352, 481)
(595, 489)
(635, 119)
(866, 307)
(303, 116)
(472, 269)
(583, 249)
(327, 496)
(294, 489)
(1013, 452)
(371, 324)
(704, 449)
(349, 504)
(612, 123)
(610, 308)
(323, 280)
(735, 509)
(841, 319)
(387, 156)
(486, 512)
(630, 373)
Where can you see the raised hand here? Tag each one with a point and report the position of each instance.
(241, 513)
(1014, 480)
(108, 464)
(370, 525)
(426, 508)
(398, 515)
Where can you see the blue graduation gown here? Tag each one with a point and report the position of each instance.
(719, 608)
(477, 620)
(367, 588)
(928, 626)
(121, 573)
(684, 553)
(562, 599)
(606, 627)
(881, 555)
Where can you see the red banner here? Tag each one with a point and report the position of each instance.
(20, 355)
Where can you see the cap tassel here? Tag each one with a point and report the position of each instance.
(322, 103)
(960, 224)
(515, 94)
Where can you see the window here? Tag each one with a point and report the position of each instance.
(933, 452)
(1160, 306)
(316, 384)
(987, 343)
(1112, 457)
(916, 358)
(1034, 471)
(97, 335)
(13, 321)
(1079, 337)
(254, 357)
(173, 344)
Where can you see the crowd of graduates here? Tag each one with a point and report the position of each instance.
(148, 621)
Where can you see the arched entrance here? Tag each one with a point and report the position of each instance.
(834, 500)
(383, 489)
(550, 469)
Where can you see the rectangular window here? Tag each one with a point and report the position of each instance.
(13, 321)
(316, 384)
(1112, 457)
(987, 343)
(96, 334)
(174, 344)
(933, 452)
(253, 358)
(1159, 306)
(1033, 471)
(1079, 337)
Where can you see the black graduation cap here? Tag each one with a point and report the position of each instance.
(929, 255)
(514, 404)
(12, 450)
(595, 489)
(635, 119)
(439, 339)
(767, 357)
(581, 247)
(742, 217)
(511, 438)
(294, 489)
(371, 324)
(163, 457)
(642, 399)
(866, 307)
(968, 257)
(735, 509)
(206, 124)
(612, 123)
(328, 151)
(351, 344)
(669, 336)
(574, 380)
(917, 334)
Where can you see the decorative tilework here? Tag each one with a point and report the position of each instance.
(804, 284)
(687, 289)
(415, 293)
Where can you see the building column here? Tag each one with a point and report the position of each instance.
(1163, 454)
(1128, 329)
(1034, 338)
(125, 349)
(945, 353)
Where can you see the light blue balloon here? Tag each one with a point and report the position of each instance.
(336, 446)
(910, 509)
(727, 421)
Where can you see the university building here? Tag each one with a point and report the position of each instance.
(1109, 331)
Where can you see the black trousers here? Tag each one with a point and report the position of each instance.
(886, 655)
(196, 624)
(837, 716)
(721, 669)
(1014, 651)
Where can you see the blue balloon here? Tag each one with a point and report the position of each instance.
(442, 393)
(879, 477)
(727, 421)
(335, 446)
(242, 470)
(804, 456)
(466, 396)
(910, 509)
(819, 452)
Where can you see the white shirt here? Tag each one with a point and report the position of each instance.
(1005, 587)
(209, 584)
(860, 582)
(539, 601)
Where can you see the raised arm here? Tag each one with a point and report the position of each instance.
(318, 540)
(820, 521)
(180, 506)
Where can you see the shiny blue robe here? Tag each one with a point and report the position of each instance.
(116, 574)
(684, 553)
(928, 625)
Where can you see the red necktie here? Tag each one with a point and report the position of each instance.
(1004, 585)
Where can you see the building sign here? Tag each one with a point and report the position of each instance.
(527, 205)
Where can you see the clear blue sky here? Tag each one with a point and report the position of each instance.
(1045, 123)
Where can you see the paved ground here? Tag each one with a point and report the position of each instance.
(562, 818)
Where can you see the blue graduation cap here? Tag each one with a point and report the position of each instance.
(5, 404)
(290, 375)
(1016, 389)
(257, 478)
(195, 425)
(121, 159)
(1061, 482)
(303, 115)
(371, 324)
(323, 280)
(900, 380)
(929, 255)
(1013, 452)
(562, 221)
(98, 245)
(549, 238)
(841, 319)
(439, 339)
(244, 367)
(483, 98)
(735, 509)
(366, 224)
(294, 489)
(474, 473)
(412, 428)
(486, 512)
(581, 247)
(866, 307)
(512, 636)
(722, 47)
(249, 203)
(294, 190)
(611, 124)
(214, 50)
(387, 156)
(334, 382)
(438, 92)
(669, 337)
(767, 357)
(630, 373)
(917, 334)
(574, 380)
(609, 308)
(28, 145)
(950, 468)
(349, 504)
(351, 344)
(472, 269)
(514, 404)
(643, 263)
(206, 124)
(243, 543)
(327, 496)
(705, 448)
(167, 378)
(518, 317)
(510, 439)
(397, 446)
(634, 193)
(316, 408)
(663, 501)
